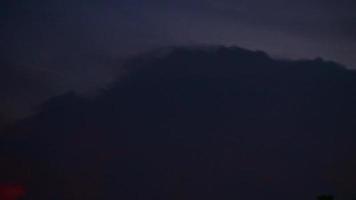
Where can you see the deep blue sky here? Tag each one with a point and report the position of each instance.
(77, 45)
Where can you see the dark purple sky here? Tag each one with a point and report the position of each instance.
(297, 128)
(77, 45)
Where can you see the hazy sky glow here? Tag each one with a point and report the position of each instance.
(308, 29)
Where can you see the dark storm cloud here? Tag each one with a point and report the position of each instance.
(75, 43)
(81, 42)
(255, 128)
(214, 123)
(21, 88)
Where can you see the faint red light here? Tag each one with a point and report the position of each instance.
(12, 192)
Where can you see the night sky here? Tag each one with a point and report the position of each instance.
(52, 46)
(178, 99)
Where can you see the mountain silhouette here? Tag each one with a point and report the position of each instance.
(194, 123)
